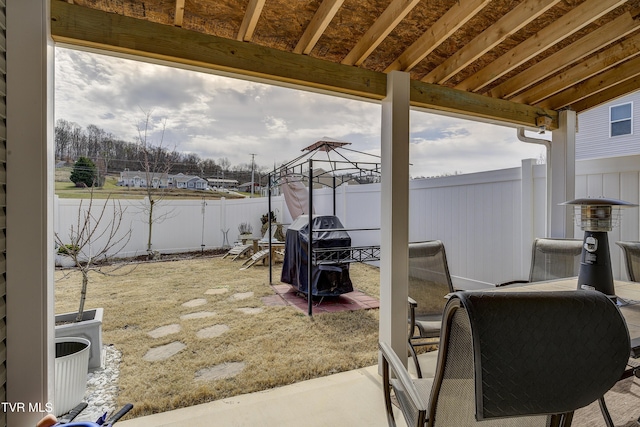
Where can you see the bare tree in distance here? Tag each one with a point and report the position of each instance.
(91, 241)
(156, 162)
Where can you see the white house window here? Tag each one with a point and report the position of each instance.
(621, 119)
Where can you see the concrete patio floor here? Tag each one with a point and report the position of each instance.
(351, 398)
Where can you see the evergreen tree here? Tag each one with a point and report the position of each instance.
(84, 171)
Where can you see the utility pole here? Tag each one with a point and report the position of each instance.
(252, 170)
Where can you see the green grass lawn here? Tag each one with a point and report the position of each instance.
(66, 189)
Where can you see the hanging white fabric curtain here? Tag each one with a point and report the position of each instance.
(296, 195)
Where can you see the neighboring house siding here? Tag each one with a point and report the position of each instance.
(593, 140)
(3, 213)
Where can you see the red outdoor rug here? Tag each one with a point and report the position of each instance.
(288, 295)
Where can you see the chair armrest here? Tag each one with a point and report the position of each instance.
(412, 316)
(513, 282)
(635, 348)
(391, 360)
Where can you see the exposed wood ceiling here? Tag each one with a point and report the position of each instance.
(504, 60)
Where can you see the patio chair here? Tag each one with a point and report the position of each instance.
(632, 259)
(552, 259)
(239, 251)
(429, 283)
(513, 359)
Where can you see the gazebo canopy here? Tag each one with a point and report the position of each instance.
(326, 144)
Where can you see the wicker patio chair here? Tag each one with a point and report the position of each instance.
(520, 359)
(552, 259)
(632, 259)
(429, 282)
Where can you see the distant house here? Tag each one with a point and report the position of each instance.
(190, 182)
(246, 187)
(610, 130)
(138, 179)
(222, 183)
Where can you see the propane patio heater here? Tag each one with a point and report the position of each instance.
(596, 217)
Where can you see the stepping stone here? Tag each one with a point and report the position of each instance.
(250, 310)
(164, 331)
(164, 351)
(220, 372)
(242, 295)
(195, 302)
(273, 300)
(197, 315)
(218, 291)
(212, 331)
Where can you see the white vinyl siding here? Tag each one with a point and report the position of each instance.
(3, 183)
(594, 138)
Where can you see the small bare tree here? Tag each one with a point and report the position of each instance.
(91, 241)
(156, 162)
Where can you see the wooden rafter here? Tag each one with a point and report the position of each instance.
(598, 83)
(179, 15)
(509, 24)
(250, 20)
(592, 42)
(318, 24)
(455, 18)
(558, 30)
(380, 29)
(596, 64)
(616, 91)
(84, 27)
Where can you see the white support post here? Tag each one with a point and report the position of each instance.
(394, 231)
(563, 179)
(29, 207)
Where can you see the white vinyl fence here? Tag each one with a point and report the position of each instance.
(486, 220)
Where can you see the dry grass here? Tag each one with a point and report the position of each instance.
(278, 346)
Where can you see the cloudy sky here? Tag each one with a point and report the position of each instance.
(220, 117)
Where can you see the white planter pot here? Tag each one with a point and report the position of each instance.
(71, 365)
(64, 261)
(90, 328)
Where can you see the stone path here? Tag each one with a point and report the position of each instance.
(101, 392)
(163, 352)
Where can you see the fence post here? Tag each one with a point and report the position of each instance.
(527, 214)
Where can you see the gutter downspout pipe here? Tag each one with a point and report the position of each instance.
(522, 137)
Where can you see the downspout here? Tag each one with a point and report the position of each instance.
(522, 137)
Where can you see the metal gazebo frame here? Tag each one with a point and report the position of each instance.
(339, 171)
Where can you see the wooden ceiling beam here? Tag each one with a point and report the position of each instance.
(380, 29)
(574, 20)
(109, 32)
(617, 54)
(440, 98)
(318, 24)
(450, 22)
(179, 15)
(610, 94)
(509, 24)
(607, 34)
(250, 20)
(595, 84)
